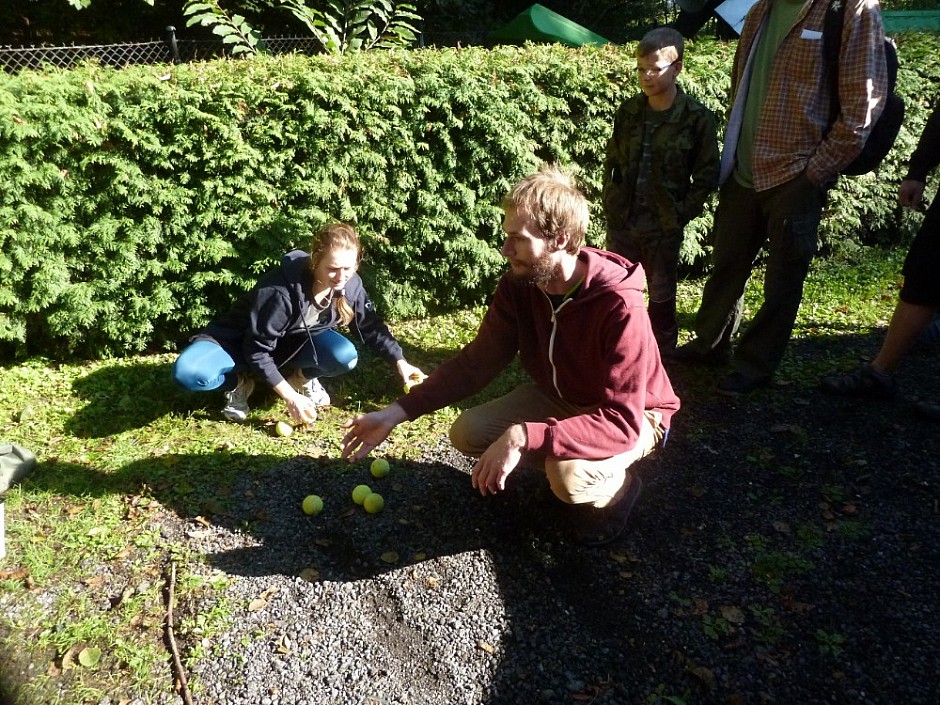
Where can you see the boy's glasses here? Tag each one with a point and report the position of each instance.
(652, 70)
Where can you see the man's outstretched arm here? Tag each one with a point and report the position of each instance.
(366, 431)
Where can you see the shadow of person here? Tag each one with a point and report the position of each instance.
(441, 580)
(441, 583)
(121, 397)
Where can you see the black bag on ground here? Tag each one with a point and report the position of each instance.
(885, 130)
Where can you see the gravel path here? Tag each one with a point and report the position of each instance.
(786, 550)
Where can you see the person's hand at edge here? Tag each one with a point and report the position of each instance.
(911, 193)
(501, 458)
(366, 431)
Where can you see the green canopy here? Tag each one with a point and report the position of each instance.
(539, 24)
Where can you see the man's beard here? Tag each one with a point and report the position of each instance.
(540, 272)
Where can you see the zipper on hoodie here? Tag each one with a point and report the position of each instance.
(551, 342)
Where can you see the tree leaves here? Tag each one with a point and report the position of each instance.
(359, 25)
(235, 31)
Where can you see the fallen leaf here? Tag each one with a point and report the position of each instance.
(389, 557)
(257, 604)
(488, 648)
(16, 574)
(311, 575)
(89, 656)
(732, 614)
(68, 657)
(624, 557)
(704, 675)
(699, 605)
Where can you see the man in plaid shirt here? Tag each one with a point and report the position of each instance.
(781, 153)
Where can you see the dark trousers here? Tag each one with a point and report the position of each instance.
(786, 219)
(658, 252)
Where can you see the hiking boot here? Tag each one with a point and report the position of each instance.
(737, 384)
(600, 526)
(236, 401)
(692, 352)
(866, 381)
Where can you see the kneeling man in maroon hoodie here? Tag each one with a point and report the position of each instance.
(599, 398)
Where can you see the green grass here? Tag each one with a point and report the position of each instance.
(118, 444)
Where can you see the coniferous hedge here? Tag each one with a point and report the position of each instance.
(136, 204)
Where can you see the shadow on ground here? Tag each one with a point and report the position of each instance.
(785, 551)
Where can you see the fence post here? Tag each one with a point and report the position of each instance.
(171, 43)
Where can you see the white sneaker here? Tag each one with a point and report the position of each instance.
(314, 391)
(236, 401)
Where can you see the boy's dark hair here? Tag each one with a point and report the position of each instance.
(660, 38)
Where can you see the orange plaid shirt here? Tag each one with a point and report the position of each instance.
(793, 134)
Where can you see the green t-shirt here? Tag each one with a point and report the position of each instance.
(783, 14)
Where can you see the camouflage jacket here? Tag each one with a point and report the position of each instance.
(684, 162)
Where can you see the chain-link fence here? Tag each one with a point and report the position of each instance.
(170, 50)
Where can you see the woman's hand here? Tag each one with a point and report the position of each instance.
(301, 409)
(410, 374)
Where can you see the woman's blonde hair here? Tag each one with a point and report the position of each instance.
(336, 236)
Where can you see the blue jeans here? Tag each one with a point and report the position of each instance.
(204, 365)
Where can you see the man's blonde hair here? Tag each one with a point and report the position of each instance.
(552, 200)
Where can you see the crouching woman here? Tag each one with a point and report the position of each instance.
(283, 331)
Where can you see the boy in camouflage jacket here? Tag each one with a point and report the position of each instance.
(661, 164)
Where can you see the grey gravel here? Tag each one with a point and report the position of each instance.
(786, 550)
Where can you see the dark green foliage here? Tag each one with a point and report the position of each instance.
(137, 204)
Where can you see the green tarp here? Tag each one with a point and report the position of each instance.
(911, 20)
(539, 24)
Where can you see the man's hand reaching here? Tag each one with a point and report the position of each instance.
(501, 458)
(366, 431)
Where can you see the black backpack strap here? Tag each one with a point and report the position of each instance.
(832, 48)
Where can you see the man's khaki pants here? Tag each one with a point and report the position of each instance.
(596, 482)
